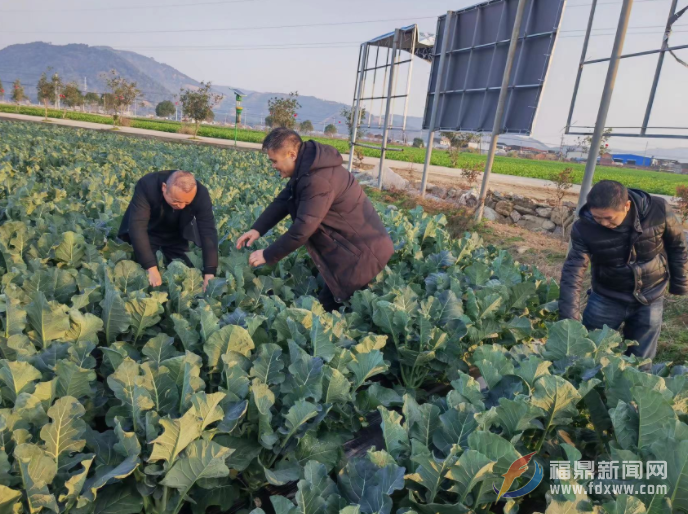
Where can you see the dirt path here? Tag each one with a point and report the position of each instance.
(501, 183)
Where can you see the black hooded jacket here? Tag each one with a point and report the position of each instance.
(632, 265)
(333, 217)
(146, 215)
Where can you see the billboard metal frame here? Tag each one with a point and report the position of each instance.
(672, 18)
(405, 39)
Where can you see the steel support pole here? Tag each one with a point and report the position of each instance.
(436, 99)
(384, 81)
(605, 102)
(408, 81)
(372, 91)
(358, 93)
(584, 54)
(501, 104)
(658, 70)
(385, 129)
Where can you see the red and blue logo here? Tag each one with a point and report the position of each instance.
(517, 469)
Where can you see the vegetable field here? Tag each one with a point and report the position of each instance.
(650, 181)
(119, 398)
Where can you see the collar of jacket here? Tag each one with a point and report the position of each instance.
(305, 159)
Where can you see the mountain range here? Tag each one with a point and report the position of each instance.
(89, 66)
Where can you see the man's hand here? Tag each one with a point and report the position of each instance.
(154, 278)
(256, 259)
(206, 279)
(248, 239)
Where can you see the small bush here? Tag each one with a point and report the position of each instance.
(563, 181)
(682, 195)
(471, 172)
(187, 128)
(358, 158)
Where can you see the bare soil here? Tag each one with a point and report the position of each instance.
(545, 252)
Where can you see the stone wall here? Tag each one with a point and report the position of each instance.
(503, 208)
(530, 214)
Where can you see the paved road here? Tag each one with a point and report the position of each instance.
(498, 182)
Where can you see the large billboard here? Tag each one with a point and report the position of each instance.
(478, 41)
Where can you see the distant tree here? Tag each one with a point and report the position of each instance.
(48, 90)
(330, 130)
(283, 110)
(604, 142)
(349, 120)
(418, 142)
(92, 99)
(306, 127)
(2, 92)
(457, 142)
(165, 109)
(122, 94)
(583, 144)
(107, 100)
(460, 140)
(198, 104)
(18, 93)
(268, 121)
(72, 97)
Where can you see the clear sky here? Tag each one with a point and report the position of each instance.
(253, 44)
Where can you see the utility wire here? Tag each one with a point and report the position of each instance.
(129, 7)
(220, 2)
(356, 43)
(229, 29)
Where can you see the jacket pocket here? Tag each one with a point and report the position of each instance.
(345, 244)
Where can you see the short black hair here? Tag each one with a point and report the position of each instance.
(282, 137)
(608, 194)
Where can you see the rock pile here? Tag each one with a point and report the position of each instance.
(509, 209)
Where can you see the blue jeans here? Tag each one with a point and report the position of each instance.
(642, 323)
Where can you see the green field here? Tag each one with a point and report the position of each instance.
(650, 181)
(417, 396)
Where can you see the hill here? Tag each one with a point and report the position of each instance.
(73, 62)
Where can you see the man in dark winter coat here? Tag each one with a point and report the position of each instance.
(637, 248)
(331, 215)
(169, 209)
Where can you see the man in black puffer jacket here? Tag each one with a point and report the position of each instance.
(331, 214)
(637, 248)
(169, 209)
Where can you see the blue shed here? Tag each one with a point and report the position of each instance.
(632, 159)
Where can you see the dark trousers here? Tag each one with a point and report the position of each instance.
(327, 299)
(642, 323)
(171, 250)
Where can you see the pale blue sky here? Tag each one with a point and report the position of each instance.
(325, 65)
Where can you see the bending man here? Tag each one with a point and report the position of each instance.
(331, 215)
(169, 209)
(637, 248)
